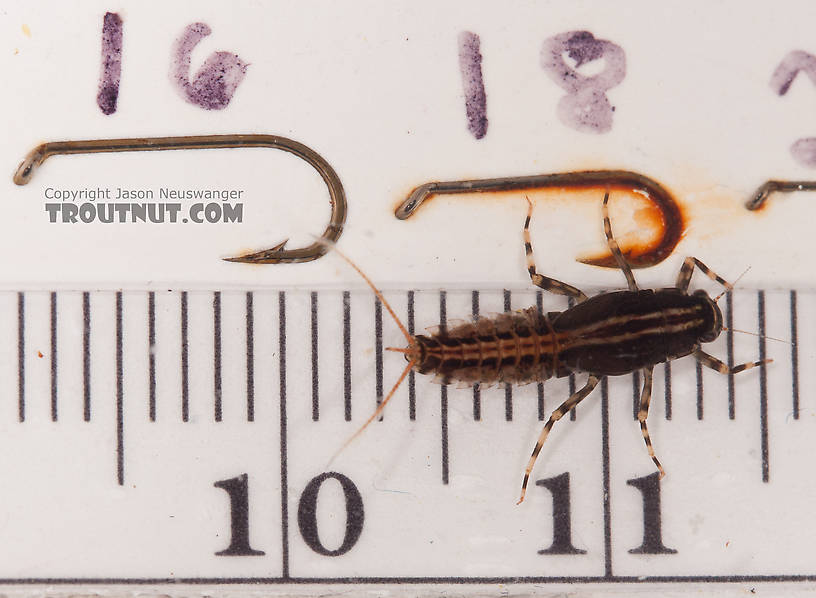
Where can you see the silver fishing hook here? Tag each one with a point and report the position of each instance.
(765, 190)
(274, 255)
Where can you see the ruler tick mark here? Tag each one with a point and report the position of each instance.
(794, 355)
(185, 381)
(53, 356)
(378, 353)
(574, 411)
(508, 388)
(540, 385)
(729, 340)
(151, 354)
(21, 356)
(443, 393)
(315, 363)
(477, 391)
(217, 391)
(763, 387)
(699, 372)
(283, 436)
(667, 391)
(411, 374)
(120, 419)
(607, 504)
(250, 357)
(86, 356)
(347, 354)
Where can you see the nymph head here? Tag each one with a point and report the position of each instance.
(712, 317)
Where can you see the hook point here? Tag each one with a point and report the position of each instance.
(266, 256)
(603, 261)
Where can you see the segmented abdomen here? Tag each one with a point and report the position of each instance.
(516, 348)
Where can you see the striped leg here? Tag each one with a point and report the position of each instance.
(562, 409)
(544, 282)
(615, 249)
(643, 413)
(715, 364)
(684, 277)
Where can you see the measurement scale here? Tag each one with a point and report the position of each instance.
(169, 420)
(150, 417)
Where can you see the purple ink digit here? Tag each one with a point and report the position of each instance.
(582, 47)
(803, 150)
(470, 64)
(217, 79)
(585, 107)
(111, 73)
(790, 66)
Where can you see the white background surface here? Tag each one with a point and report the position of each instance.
(375, 88)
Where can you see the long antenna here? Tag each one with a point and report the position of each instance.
(770, 338)
(731, 286)
(408, 337)
(377, 412)
(377, 292)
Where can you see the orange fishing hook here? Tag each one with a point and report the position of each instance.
(665, 238)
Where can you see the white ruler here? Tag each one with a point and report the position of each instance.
(123, 410)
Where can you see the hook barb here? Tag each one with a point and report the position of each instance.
(274, 255)
(266, 256)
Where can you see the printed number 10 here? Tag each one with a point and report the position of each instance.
(238, 490)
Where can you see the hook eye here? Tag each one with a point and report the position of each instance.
(669, 226)
(274, 255)
(763, 193)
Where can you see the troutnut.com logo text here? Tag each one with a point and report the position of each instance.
(117, 204)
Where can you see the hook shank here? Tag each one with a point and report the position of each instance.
(274, 255)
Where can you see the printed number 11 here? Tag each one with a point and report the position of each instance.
(649, 487)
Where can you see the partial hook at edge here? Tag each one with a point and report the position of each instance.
(665, 239)
(765, 190)
(274, 255)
